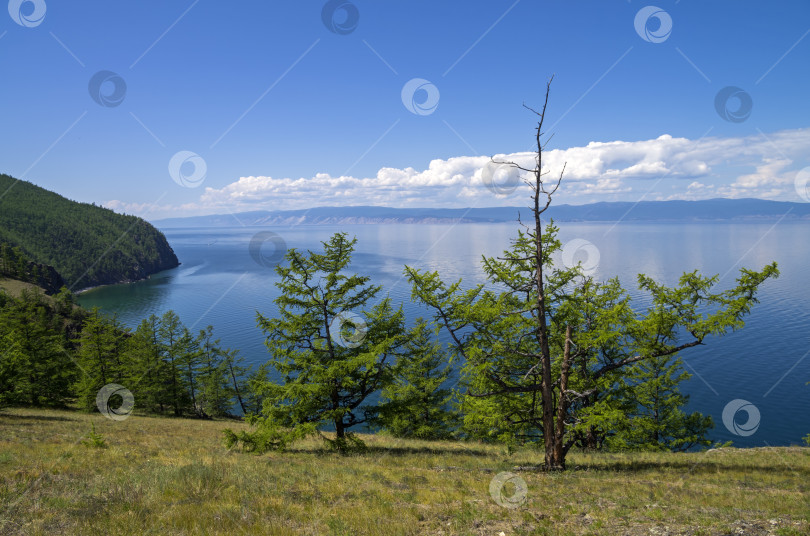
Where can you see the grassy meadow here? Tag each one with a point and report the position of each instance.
(15, 288)
(148, 475)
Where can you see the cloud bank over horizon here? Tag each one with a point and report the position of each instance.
(760, 166)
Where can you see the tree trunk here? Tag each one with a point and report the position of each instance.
(562, 404)
(591, 440)
(191, 385)
(340, 431)
(552, 462)
(236, 389)
(176, 401)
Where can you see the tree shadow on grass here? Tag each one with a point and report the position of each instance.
(694, 467)
(407, 451)
(30, 417)
(397, 451)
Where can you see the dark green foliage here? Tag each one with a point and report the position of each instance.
(215, 394)
(178, 353)
(100, 357)
(87, 245)
(146, 371)
(653, 410)
(252, 390)
(327, 361)
(260, 440)
(54, 354)
(415, 404)
(35, 364)
(43, 235)
(168, 369)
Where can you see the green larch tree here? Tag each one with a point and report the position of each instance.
(214, 395)
(175, 341)
(417, 402)
(36, 352)
(543, 346)
(99, 357)
(147, 373)
(330, 349)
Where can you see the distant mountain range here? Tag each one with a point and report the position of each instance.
(742, 210)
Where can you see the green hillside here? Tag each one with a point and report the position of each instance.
(88, 245)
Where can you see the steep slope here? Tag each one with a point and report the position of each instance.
(88, 245)
(15, 265)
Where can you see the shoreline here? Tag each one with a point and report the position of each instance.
(88, 289)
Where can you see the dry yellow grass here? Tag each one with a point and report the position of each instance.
(174, 476)
(15, 288)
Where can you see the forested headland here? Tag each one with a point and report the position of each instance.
(83, 244)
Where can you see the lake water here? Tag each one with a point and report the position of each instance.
(766, 364)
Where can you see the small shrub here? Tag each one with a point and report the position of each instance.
(95, 439)
(346, 445)
(259, 441)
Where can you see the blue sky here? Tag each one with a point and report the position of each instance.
(270, 108)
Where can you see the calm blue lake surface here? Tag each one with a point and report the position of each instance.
(766, 364)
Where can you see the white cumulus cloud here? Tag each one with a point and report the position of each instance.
(666, 167)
